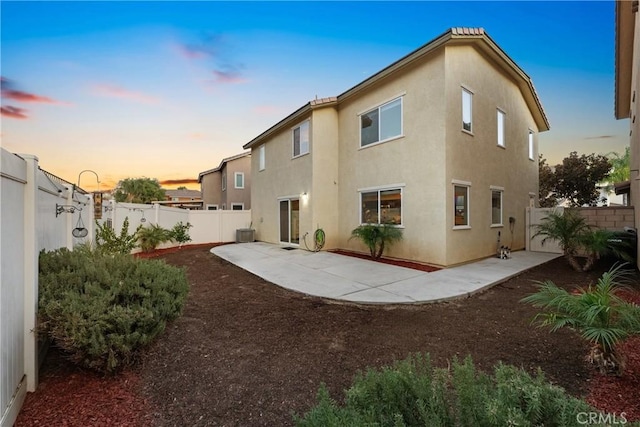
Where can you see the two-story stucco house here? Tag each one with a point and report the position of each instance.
(442, 143)
(227, 187)
(627, 88)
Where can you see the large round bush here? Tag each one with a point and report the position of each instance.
(103, 309)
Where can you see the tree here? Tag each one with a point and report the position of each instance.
(547, 184)
(620, 169)
(578, 176)
(138, 190)
(597, 313)
(575, 180)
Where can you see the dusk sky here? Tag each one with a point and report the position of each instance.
(167, 89)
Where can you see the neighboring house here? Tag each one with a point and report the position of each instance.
(228, 187)
(188, 199)
(627, 91)
(442, 143)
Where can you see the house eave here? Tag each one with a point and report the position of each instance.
(624, 56)
(222, 163)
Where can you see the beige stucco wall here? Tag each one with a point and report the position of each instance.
(477, 158)
(323, 195)
(431, 152)
(283, 177)
(414, 160)
(237, 195)
(210, 186)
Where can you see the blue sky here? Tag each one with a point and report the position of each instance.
(167, 89)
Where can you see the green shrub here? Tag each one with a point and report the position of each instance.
(180, 232)
(597, 312)
(412, 393)
(108, 242)
(150, 237)
(377, 237)
(103, 309)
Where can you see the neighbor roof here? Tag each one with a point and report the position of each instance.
(457, 35)
(222, 163)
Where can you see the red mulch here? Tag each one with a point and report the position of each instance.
(398, 262)
(247, 353)
(72, 397)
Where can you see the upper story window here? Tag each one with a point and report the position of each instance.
(382, 206)
(381, 123)
(467, 110)
(239, 179)
(261, 158)
(531, 151)
(301, 139)
(224, 181)
(500, 129)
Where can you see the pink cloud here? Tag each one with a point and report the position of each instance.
(14, 112)
(17, 95)
(115, 91)
(231, 77)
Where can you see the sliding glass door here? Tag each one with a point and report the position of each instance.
(290, 221)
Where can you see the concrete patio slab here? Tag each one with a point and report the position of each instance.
(341, 277)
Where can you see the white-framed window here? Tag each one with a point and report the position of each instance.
(238, 178)
(500, 130)
(212, 207)
(237, 206)
(381, 123)
(531, 150)
(381, 206)
(261, 158)
(467, 110)
(461, 216)
(301, 139)
(496, 206)
(224, 181)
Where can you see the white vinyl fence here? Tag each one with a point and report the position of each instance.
(207, 226)
(37, 211)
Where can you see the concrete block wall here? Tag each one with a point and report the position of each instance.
(609, 218)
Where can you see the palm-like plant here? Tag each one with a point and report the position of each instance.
(567, 229)
(377, 237)
(150, 237)
(597, 313)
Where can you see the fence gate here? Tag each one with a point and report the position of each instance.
(535, 244)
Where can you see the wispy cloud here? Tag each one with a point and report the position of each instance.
(13, 112)
(212, 50)
(598, 137)
(115, 91)
(8, 92)
(230, 77)
(179, 181)
(208, 46)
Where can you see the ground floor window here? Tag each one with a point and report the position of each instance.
(496, 206)
(237, 206)
(382, 206)
(212, 207)
(461, 205)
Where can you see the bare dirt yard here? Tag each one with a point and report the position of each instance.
(248, 353)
